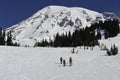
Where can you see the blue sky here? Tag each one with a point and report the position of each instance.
(14, 11)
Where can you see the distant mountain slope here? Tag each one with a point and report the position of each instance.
(51, 20)
(109, 15)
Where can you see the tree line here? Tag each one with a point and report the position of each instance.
(87, 36)
(6, 39)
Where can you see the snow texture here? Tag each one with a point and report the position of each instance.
(38, 63)
(20, 63)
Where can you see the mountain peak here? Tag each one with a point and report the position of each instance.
(52, 20)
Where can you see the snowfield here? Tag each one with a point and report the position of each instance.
(20, 63)
(111, 41)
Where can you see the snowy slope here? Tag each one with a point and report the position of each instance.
(43, 64)
(51, 20)
(111, 41)
(110, 15)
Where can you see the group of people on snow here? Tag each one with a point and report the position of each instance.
(63, 61)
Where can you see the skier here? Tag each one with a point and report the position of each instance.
(64, 63)
(61, 60)
(70, 61)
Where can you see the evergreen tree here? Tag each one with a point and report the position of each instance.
(98, 36)
(112, 51)
(69, 39)
(106, 34)
(2, 37)
(9, 39)
(57, 40)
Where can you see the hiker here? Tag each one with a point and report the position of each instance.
(73, 50)
(64, 63)
(70, 61)
(61, 60)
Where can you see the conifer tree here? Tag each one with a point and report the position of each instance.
(9, 39)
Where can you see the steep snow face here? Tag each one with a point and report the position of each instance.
(51, 20)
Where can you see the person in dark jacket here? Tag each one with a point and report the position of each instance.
(61, 60)
(70, 61)
(64, 63)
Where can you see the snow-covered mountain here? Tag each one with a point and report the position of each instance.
(51, 20)
(109, 15)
